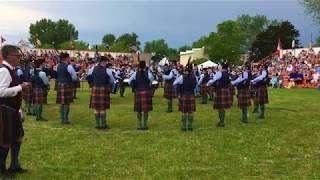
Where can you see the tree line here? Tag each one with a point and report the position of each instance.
(254, 35)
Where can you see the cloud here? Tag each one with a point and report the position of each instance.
(16, 19)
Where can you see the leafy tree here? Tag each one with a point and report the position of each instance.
(318, 41)
(78, 45)
(173, 54)
(156, 46)
(199, 61)
(51, 33)
(184, 48)
(108, 39)
(266, 42)
(200, 43)
(312, 8)
(251, 26)
(128, 40)
(225, 44)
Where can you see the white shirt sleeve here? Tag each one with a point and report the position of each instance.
(133, 77)
(168, 77)
(150, 76)
(90, 70)
(216, 77)
(240, 79)
(73, 73)
(5, 81)
(44, 77)
(178, 81)
(201, 79)
(111, 78)
(261, 77)
(19, 72)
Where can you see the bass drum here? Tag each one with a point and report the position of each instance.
(155, 84)
(126, 82)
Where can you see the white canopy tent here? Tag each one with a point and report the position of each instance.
(207, 64)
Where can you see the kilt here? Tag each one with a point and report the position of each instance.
(11, 129)
(100, 98)
(204, 89)
(143, 101)
(262, 95)
(169, 90)
(222, 99)
(187, 103)
(244, 99)
(27, 95)
(39, 96)
(64, 93)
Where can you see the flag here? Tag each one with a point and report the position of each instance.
(3, 39)
(279, 45)
(38, 42)
(72, 44)
(293, 44)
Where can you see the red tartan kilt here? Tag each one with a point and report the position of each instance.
(222, 99)
(187, 103)
(64, 93)
(27, 94)
(11, 129)
(143, 101)
(100, 98)
(169, 91)
(232, 90)
(244, 99)
(39, 96)
(262, 95)
(204, 89)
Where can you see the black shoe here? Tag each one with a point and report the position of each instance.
(183, 129)
(245, 121)
(4, 174)
(261, 117)
(139, 128)
(30, 114)
(145, 128)
(220, 125)
(169, 111)
(41, 119)
(190, 129)
(17, 170)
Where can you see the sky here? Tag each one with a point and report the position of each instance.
(179, 22)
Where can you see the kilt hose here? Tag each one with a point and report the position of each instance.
(100, 98)
(222, 99)
(77, 85)
(27, 95)
(55, 85)
(39, 96)
(262, 95)
(11, 129)
(244, 99)
(169, 91)
(64, 93)
(205, 90)
(143, 101)
(232, 92)
(187, 103)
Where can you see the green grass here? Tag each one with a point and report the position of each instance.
(285, 145)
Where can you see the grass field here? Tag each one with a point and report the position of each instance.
(285, 145)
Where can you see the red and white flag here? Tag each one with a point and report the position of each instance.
(279, 47)
(2, 39)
